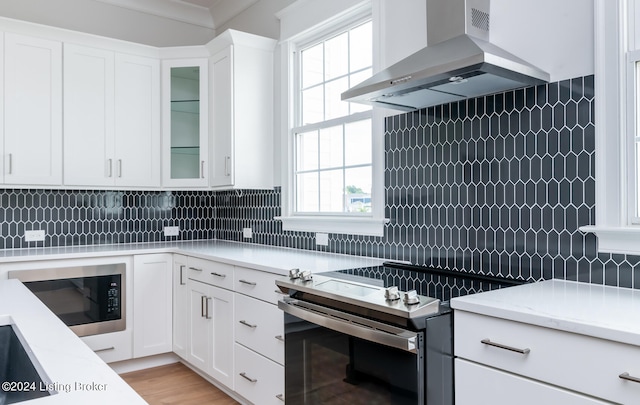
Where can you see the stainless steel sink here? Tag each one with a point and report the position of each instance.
(18, 372)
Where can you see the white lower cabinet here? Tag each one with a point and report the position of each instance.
(210, 341)
(520, 352)
(478, 384)
(258, 379)
(180, 306)
(260, 327)
(152, 304)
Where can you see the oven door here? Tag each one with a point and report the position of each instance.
(336, 358)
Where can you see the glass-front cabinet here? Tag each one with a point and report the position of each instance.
(185, 120)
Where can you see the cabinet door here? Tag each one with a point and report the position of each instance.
(221, 310)
(152, 304)
(137, 121)
(476, 384)
(199, 334)
(33, 110)
(88, 116)
(222, 163)
(185, 122)
(180, 306)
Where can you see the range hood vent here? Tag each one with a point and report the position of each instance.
(459, 63)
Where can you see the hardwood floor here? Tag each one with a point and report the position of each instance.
(175, 384)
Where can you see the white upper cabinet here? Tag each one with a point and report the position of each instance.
(88, 116)
(242, 111)
(32, 141)
(185, 122)
(111, 118)
(137, 125)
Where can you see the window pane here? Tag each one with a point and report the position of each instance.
(358, 189)
(312, 105)
(355, 79)
(360, 47)
(637, 179)
(312, 61)
(336, 57)
(331, 191)
(334, 106)
(307, 151)
(307, 192)
(331, 147)
(357, 143)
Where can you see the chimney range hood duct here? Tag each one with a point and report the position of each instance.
(458, 63)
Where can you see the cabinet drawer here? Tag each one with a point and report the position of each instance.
(257, 378)
(476, 384)
(214, 273)
(578, 362)
(257, 284)
(111, 347)
(260, 327)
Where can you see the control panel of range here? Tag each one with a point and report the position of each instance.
(391, 300)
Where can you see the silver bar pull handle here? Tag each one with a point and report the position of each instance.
(181, 275)
(106, 349)
(505, 347)
(207, 299)
(109, 168)
(247, 282)
(280, 397)
(246, 377)
(227, 165)
(202, 298)
(353, 325)
(10, 157)
(245, 323)
(119, 167)
(195, 269)
(218, 274)
(280, 338)
(202, 169)
(626, 376)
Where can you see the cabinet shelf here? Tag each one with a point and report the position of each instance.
(187, 106)
(186, 150)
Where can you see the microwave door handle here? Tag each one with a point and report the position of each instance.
(399, 339)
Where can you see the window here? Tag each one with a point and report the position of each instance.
(332, 142)
(333, 151)
(617, 108)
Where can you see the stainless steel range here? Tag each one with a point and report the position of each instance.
(353, 339)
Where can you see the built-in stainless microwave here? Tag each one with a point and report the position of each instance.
(88, 299)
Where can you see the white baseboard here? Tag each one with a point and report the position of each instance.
(127, 366)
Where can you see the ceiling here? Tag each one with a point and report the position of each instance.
(205, 13)
(153, 22)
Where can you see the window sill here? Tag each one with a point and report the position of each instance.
(624, 240)
(342, 225)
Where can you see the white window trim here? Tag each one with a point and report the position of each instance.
(615, 106)
(371, 225)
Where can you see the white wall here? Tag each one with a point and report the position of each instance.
(555, 35)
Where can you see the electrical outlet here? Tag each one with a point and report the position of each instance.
(36, 235)
(171, 230)
(322, 239)
(247, 233)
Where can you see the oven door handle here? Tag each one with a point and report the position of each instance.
(352, 325)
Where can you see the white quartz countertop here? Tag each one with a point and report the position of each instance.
(277, 260)
(605, 312)
(73, 370)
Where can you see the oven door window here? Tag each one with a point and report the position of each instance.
(81, 300)
(328, 367)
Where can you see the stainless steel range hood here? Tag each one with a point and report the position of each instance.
(459, 63)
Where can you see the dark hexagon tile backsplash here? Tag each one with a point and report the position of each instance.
(494, 185)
